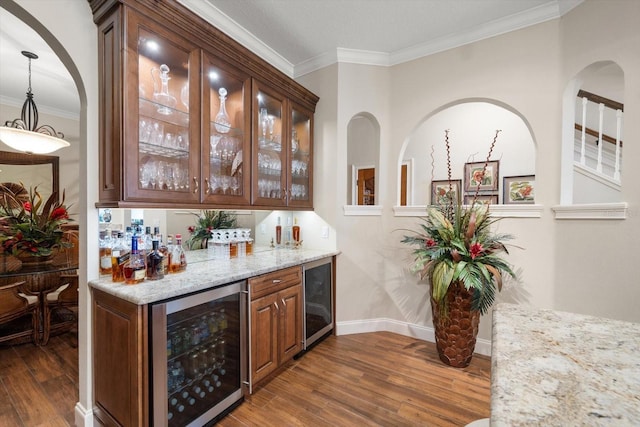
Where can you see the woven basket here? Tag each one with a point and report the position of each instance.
(9, 264)
(456, 332)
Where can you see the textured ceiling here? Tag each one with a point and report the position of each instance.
(296, 36)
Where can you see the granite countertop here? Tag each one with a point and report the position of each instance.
(204, 272)
(552, 368)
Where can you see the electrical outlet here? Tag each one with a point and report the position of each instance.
(325, 232)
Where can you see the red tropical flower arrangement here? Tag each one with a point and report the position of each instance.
(30, 225)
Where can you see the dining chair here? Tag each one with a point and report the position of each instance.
(60, 307)
(17, 304)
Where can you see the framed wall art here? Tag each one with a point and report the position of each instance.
(474, 176)
(445, 191)
(519, 189)
(484, 199)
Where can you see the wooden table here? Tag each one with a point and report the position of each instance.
(39, 280)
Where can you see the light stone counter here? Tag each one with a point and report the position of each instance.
(204, 272)
(553, 368)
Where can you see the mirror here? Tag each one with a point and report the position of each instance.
(31, 170)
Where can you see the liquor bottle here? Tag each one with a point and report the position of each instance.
(134, 269)
(233, 244)
(119, 256)
(155, 262)
(296, 231)
(178, 259)
(278, 233)
(166, 252)
(105, 252)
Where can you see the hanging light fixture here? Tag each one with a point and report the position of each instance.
(23, 134)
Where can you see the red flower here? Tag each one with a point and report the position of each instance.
(27, 206)
(191, 229)
(59, 213)
(476, 249)
(430, 243)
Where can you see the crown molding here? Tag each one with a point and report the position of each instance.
(224, 23)
(548, 11)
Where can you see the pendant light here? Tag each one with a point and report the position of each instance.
(23, 134)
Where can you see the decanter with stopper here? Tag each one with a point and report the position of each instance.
(222, 123)
(167, 101)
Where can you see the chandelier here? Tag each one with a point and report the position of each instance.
(23, 134)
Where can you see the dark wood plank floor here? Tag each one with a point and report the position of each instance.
(39, 385)
(376, 379)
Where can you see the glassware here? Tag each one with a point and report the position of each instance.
(222, 123)
(168, 102)
(184, 96)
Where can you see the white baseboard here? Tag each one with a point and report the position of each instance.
(425, 333)
(83, 416)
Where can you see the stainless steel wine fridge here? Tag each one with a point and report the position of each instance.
(318, 300)
(198, 360)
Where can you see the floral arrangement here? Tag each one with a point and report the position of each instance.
(30, 225)
(456, 245)
(209, 220)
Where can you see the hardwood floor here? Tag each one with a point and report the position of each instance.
(376, 379)
(39, 385)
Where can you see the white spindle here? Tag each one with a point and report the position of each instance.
(616, 174)
(584, 130)
(600, 142)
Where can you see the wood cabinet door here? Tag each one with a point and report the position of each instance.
(226, 134)
(264, 336)
(291, 328)
(300, 158)
(269, 147)
(161, 95)
(120, 361)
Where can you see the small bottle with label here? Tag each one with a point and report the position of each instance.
(105, 252)
(155, 262)
(119, 256)
(177, 259)
(135, 270)
(296, 232)
(278, 233)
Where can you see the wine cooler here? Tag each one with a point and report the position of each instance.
(198, 360)
(318, 300)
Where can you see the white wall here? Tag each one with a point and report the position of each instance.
(582, 266)
(67, 26)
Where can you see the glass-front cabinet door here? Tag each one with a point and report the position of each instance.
(269, 148)
(162, 119)
(300, 165)
(226, 134)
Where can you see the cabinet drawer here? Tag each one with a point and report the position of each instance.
(266, 284)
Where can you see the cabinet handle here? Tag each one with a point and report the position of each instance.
(276, 281)
(284, 304)
(195, 184)
(276, 304)
(206, 183)
(284, 194)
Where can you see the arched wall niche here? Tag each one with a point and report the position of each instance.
(363, 153)
(581, 185)
(472, 124)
